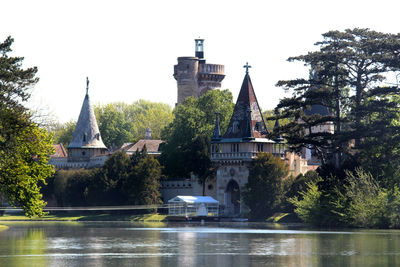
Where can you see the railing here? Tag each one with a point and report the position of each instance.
(234, 155)
(240, 155)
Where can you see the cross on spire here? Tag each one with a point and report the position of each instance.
(87, 85)
(247, 66)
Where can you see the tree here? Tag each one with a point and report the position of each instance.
(193, 124)
(63, 132)
(114, 129)
(24, 147)
(264, 191)
(143, 182)
(347, 77)
(130, 121)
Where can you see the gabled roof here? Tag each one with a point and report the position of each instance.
(86, 134)
(193, 199)
(246, 121)
(152, 146)
(59, 151)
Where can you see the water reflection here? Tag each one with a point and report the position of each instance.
(126, 244)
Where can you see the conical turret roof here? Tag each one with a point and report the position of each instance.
(246, 121)
(316, 108)
(86, 134)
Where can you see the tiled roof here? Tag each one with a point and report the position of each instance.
(86, 134)
(59, 151)
(152, 146)
(246, 120)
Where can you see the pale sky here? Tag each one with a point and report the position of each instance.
(128, 48)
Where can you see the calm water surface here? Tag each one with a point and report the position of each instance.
(128, 244)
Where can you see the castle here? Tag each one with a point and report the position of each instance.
(232, 152)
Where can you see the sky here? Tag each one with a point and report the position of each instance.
(128, 48)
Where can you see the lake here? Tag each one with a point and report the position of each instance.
(211, 244)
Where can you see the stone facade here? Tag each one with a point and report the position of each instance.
(233, 152)
(194, 77)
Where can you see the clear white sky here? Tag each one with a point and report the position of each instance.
(128, 48)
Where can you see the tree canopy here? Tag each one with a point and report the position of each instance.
(24, 147)
(188, 136)
(347, 76)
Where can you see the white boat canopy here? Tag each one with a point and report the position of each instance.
(193, 199)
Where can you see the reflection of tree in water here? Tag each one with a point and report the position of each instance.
(31, 244)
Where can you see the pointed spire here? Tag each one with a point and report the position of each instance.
(278, 138)
(87, 85)
(249, 132)
(86, 134)
(245, 124)
(217, 129)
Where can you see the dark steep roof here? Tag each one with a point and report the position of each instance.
(86, 134)
(246, 120)
(317, 109)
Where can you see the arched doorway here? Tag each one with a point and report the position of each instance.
(232, 198)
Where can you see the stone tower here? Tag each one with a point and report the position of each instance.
(86, 141)
(194, 76)
(234, 151)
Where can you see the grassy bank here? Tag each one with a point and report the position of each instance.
(87, 217)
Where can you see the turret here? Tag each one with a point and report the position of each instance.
(194, 77)
(86, 139)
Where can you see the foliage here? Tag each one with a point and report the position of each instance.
(347, 75)
(120, 123)
(359, 202)
(63, 133)
(114, 128)
(23, 169)
(364, 201)
(122, 180)
(264, 191)
(187, 137)
(308, 207)
(24, 148)
(269, 117)
(143, 183)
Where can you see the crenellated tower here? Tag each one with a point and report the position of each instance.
(194, 76)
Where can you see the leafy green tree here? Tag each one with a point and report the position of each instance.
(194, 120)
(63, 133)
(264, 192)
(308, 206)
(130, 121)
(114, 174)
(143, 183)
(114, 128)
(24, 148)
(145, 114)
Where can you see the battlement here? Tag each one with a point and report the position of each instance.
(212, 69)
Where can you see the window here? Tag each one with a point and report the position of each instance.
(260, 147)
(234, 147)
